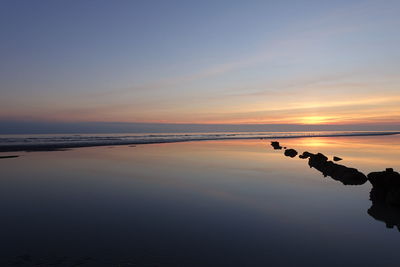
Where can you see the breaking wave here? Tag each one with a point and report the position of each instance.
(61, 141)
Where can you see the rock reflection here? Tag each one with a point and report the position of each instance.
(382, 211)
(385, 197)
(385, 192)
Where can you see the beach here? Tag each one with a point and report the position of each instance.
(199, 133)
(208, 203)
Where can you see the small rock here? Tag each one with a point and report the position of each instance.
(276, 145)
(290, 153)
(336, 158)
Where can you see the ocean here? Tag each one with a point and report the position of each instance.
(60, 141)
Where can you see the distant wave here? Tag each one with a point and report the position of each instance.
(9, 143)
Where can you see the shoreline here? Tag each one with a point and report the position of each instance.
(66, 146)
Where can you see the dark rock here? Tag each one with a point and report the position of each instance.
(385, 192)
(386, 186)
(386, 179)
(290, 153)
(305, 155)
(319, 156)
(276, 145)
(317, 161)
(337, 158)
(346, 175)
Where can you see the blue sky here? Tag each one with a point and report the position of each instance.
(304, 62)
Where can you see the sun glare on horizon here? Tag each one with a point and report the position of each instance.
(316, 120)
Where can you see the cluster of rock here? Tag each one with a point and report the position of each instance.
(346, 175)
(385, 192)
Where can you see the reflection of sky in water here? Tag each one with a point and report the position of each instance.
(366, 153)
(211, 203)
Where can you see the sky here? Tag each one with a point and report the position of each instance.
(200, 62)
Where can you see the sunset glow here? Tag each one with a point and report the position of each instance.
(315, 120)
(333, 64)
(200, 133)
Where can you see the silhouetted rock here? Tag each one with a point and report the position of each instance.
(305, 155)
(386, 186)
(290, 153)
(387, 178)
(385, 192)
(317, 161)
(276, 145)
(336, 158)
(346, 175)
(319, 157)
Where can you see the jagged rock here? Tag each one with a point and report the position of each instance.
(336, 158)
(386, 186)
(317, 161)
(290, 153)
(275, 145)
(346, 175)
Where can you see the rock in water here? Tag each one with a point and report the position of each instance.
(336, 158)
(305, 155)
(276, 145)
(290, 153)
(346, 175)
(386, 186)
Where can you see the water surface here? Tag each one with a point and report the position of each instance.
(209, 203)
